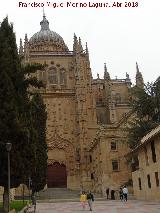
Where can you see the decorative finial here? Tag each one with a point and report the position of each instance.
(26, 38)
(97, 75)
(86, 48)
(20, 42)
(75, 43)
(44, 13)
(106, 73)
(139, 78)
(80, 45)
(127, 76)
(20, 47)
(44, 23)
(137, 67)
(105, 67)
(79, 40)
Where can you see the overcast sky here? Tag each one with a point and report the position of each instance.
(117, 36)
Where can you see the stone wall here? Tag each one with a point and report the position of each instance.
(148, 167)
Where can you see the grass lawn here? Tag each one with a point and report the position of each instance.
(17, 205)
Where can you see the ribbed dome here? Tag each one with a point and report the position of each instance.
(46, 35)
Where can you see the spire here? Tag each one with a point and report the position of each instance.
(105, 68)
(75, 42)
(87, 49)
(44, 13)
(44, 23)
(80, 45)
(26, 38)
(137, 68)
(139, 78)
(75, 37)
(20, 47)
(106, 73)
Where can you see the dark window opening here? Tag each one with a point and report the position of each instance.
(153, 151)
(146, 156)
(140, 185)
(157, 179)
(92, 176)
(113, 145)
(149, 181)
(90, 158)
(115, 166)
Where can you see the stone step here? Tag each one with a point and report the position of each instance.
(131, 197)
(52, 195)
(60, 194)
(66, 200)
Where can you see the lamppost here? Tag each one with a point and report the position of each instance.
(8, 148)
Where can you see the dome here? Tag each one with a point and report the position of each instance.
(45, 36)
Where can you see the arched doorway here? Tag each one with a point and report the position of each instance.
(56, 175)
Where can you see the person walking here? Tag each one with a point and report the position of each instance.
(83, 199)
(90, 199)
(125, 193)
(107, 193)
(121, 194)
(112, 194)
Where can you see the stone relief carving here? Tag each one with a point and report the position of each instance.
(52, 161)
(58, 142)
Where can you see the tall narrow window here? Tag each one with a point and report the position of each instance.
(140, 185)
(157, 179)
(146, 155)
(92, 176)
(149, 181)
(153, 151)
(115, 165)
(113, 145)
(62, 76)
(52, 76)
(90, 158)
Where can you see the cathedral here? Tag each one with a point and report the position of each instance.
(85, 116)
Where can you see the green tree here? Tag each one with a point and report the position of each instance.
(9, 113)
(14, 111)
(39, 117)
(146, 107)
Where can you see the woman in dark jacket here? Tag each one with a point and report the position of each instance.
(90, 199)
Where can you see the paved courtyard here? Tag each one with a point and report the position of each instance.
(101, 207)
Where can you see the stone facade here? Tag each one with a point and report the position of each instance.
(85, 115)
(146, 174)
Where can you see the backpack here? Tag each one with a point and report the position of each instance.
(90, 196)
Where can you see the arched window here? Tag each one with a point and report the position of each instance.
(62, 76)
(52, 75)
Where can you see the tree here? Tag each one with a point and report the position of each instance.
(9, 113)
(14, 111)
(146, 107)
(39, 117)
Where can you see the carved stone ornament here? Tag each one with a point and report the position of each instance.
(52, 161)
(58, 142)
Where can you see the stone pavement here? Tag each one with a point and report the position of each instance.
(131, 206)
